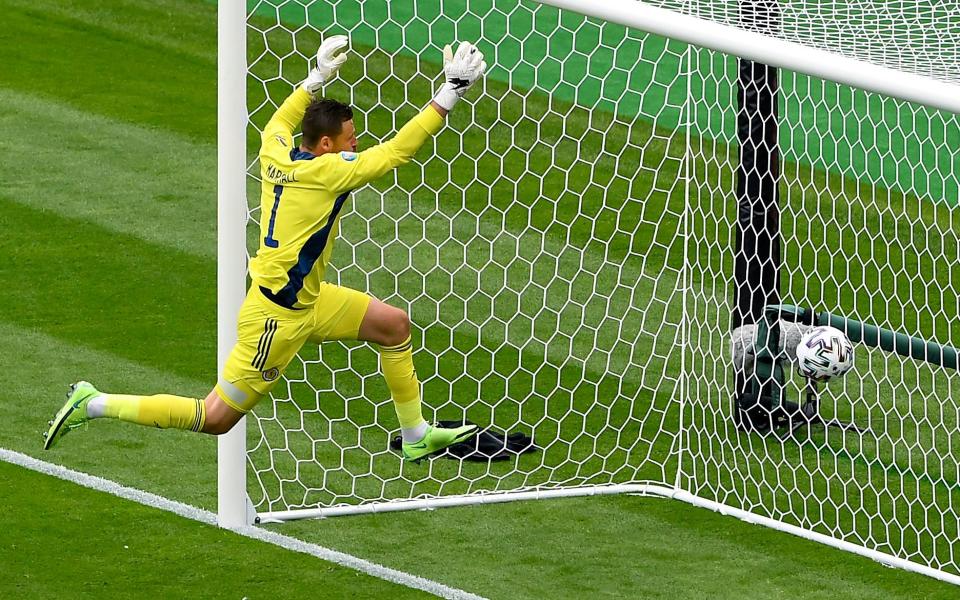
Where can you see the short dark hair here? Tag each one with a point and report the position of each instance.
(324, 116)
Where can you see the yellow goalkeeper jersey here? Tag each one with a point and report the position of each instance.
(302, 197)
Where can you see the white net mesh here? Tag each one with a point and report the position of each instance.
(564, 249)
(868, 196)
(534, 245)
(916, 36)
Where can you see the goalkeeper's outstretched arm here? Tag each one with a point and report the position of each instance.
(344, 170)
(287, 118)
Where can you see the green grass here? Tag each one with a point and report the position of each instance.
(110, 275)
(72, 542)
(650, 548)
(571, 56)
(492, 302)
(574, 280)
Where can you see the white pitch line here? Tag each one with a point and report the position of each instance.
(204, 516)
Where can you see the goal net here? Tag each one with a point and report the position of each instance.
(564, 248)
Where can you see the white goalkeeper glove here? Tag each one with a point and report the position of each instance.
(461, 70)
(328, 62)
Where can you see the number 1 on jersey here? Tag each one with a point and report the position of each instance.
(268, 241)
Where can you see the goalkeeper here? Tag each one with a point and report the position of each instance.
(304, 190)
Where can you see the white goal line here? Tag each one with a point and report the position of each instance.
(204, 516)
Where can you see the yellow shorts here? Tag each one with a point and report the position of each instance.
(269, 336)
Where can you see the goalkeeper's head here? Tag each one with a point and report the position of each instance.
(328, 127)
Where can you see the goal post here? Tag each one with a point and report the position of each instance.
(565, 248)
(231, 240)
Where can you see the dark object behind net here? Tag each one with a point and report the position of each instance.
(489, 444)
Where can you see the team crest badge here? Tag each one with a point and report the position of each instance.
(271, 374)
(348, 156)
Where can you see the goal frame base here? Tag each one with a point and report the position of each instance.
(632, 489)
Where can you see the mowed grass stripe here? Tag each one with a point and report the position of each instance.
(73, 542)
(139, 287)
(141, 302)
(488, 335)
(95, 288)
(175, 464)
(107, 457)
(344, 533)
(822, 122)
(478, 244)
(180, 26)
(106, 71)
(147, 183)
(617, 547)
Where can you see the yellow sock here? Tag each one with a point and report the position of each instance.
(163, 410)
(397, 365)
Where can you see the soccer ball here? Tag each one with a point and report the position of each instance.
(824, 352)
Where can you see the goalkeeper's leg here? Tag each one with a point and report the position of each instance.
(163, 411)
(389, 327)
(346, 314)
(267, 340)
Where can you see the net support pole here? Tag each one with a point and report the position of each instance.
(909, 346)
(757, 230)
(869, 335)
(231, 245)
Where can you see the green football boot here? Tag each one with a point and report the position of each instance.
(436, 440)
(73, 414)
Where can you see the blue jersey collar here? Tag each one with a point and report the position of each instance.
(298, 154)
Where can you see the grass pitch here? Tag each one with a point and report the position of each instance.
(73, 542)
(569, 272)
(110, 273)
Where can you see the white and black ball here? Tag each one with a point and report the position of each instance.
(824, 352)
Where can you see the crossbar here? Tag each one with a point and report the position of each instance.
(770, 50)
